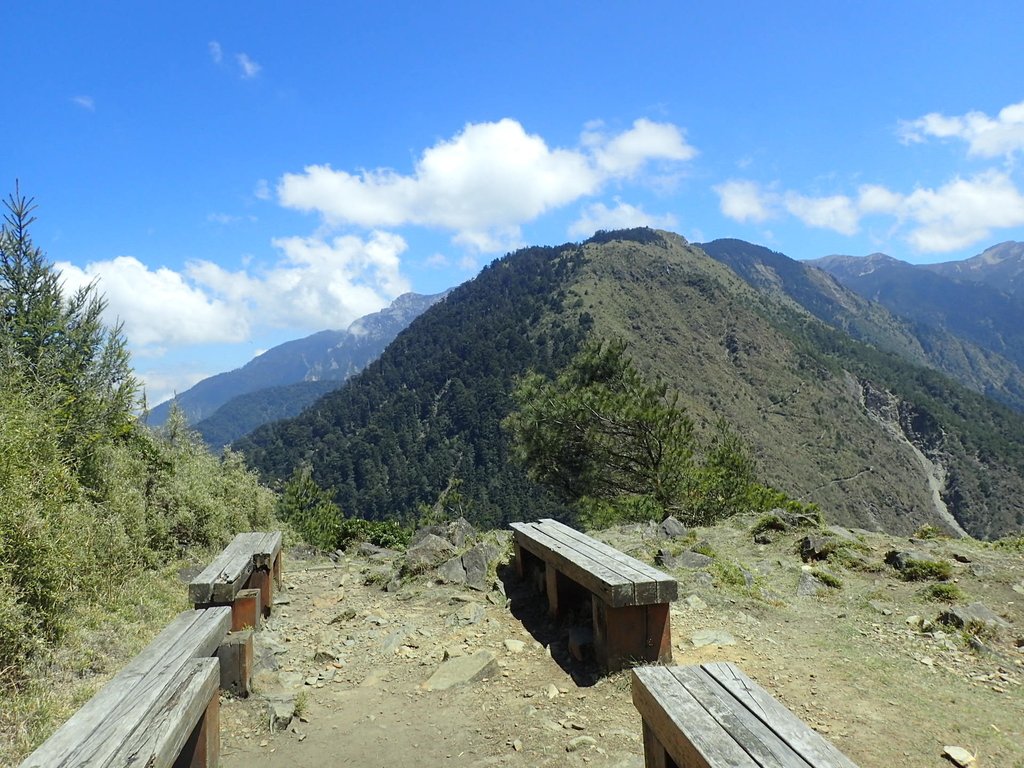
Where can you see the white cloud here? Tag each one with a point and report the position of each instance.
(262, 190)
(158, 307)
(85, 102)
(625, 154)
(962, 212)
(216, 53)
(745, 201)
(249, 67)
(986, 136)
(836, 212)
(483, 183)
(316, 284)
(622, 216)
(162, 385)
(958, 214)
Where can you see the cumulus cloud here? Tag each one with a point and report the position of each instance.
(622, 216)
(483, 183)
(986, 136)
(162, 384)
(216, 52)
(158, 307)
(836, 212)
(745, 201)
(316, 284)
(958, 214)
(249, 67)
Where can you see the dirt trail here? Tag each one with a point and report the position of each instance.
(846, 662)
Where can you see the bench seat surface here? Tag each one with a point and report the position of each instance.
(714, 710)
(614, 576)
(93, 734)
(220, 581)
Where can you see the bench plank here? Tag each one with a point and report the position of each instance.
(801, 738)
(220, 581)
(756, 738)
(91, 734)
(612, 587)
(681, 723)
(169, 725)
(650, 584)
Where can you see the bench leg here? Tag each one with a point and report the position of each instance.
(236, 658)
(655, 755)
(631, 634)
(520, 565)
(202, 750)
(560, 589)
(278, 569)
(262, 580)
(246, 610)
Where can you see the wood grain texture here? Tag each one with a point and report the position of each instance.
(220, 581)
(715, 716)
(167, 726)
(614, 576)
(92, 735)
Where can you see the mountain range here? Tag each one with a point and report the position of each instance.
(843, 402)
(282, 381)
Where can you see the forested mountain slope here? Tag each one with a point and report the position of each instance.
(323, 356)
(876, 441)
(899, 309)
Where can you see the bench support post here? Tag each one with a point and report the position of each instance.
(278, 570)
(630, 634)
(202, 750)
(262, 580)
(655, 755)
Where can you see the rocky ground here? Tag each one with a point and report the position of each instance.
(361, 667)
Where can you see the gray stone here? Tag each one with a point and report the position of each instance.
(666, 559)
(460, 532)
(975, 614)
(452, 572)
(429, 552)
(809, 585)
(816, 547)
(514, 646)
(478, 562)
(281, 709)
(462, 670)
(711, 637)
(394, 641)
(693, 560)
(468, 614)
(671, 528)
(900, 559)
(693, 601)
(579, 742)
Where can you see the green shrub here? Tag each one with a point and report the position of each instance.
(945, 592)
(828, 579)
(926, 570)
(381, 533)
(766, 523)
(929, 531)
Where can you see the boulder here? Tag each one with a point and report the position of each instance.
(479, 563)
(693, 560)
(973, 615)
(816, 547)
(452, 572)
(671, 528)
(462, 670)
(431, 550)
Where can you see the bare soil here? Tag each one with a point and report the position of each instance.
(885, 691)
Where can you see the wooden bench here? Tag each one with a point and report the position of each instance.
(251, 561)
(629, 599)
(161, 710)
(714, 716)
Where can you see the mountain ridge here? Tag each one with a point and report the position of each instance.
(830, 419)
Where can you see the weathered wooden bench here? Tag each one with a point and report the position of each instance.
(629, 599)
(161, 710)
(714, 716)
(252, 561)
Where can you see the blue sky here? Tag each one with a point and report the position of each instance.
(239, 174)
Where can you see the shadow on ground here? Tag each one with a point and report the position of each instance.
(530, 606)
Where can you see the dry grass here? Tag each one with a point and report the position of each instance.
(103, 637)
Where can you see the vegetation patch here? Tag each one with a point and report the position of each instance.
(926, 570)
(945, 592)
(828, 579)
